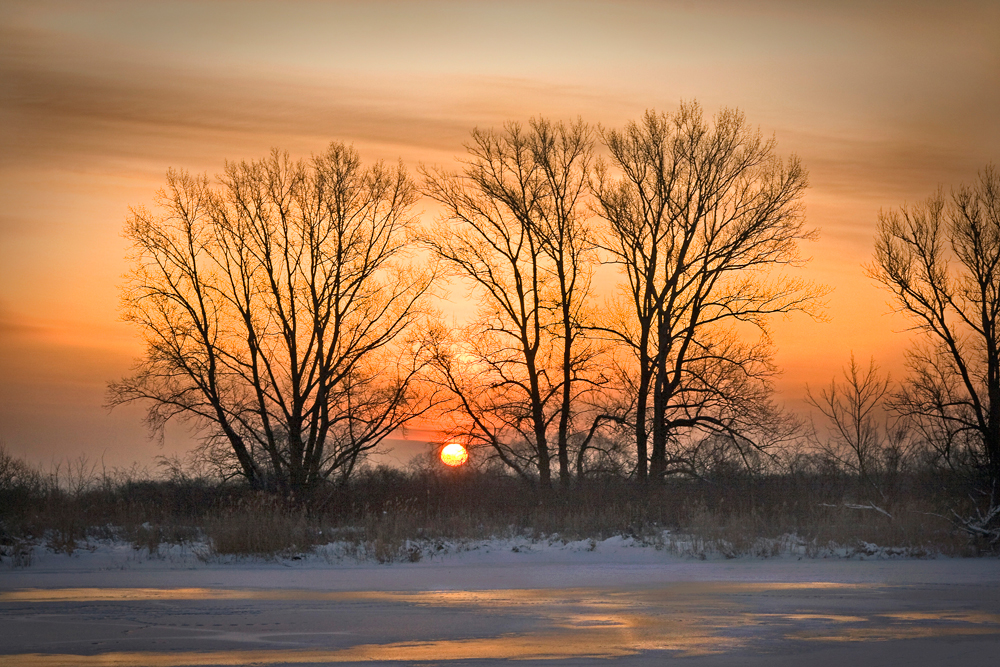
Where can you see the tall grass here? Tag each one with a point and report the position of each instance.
(387, 515)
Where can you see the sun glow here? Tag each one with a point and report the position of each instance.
(454, 455)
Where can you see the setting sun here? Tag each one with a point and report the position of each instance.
(454, 455)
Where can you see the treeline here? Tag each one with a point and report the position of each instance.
(388, 514)
(295, 311)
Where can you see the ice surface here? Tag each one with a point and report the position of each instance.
(490, 602)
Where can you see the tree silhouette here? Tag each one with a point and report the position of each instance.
(941, 261)
(277, 313)
(698, 216)
(861, 439)
(514, 227)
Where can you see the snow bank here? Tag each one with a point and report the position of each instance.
(482, 565)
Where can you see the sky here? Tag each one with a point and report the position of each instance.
(884, 102)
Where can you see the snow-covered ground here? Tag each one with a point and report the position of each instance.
(481, 603)
(483, 564)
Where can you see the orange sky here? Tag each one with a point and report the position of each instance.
(882, 101)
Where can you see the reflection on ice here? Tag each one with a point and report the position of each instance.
(686, 619)
(481, 598)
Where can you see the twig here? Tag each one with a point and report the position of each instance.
(979, 526)
(851, 506)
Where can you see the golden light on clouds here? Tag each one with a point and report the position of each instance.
(882, 101)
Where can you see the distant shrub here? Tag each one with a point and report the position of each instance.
(19, 483)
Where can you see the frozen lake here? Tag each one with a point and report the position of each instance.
(617, 606)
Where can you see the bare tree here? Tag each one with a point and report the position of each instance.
(514, 228)
(277, 312)
(861, 439)
(941, 261)
(698, 217)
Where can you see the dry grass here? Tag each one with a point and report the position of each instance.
(841, 530)
(388, 515)
(268, 533)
